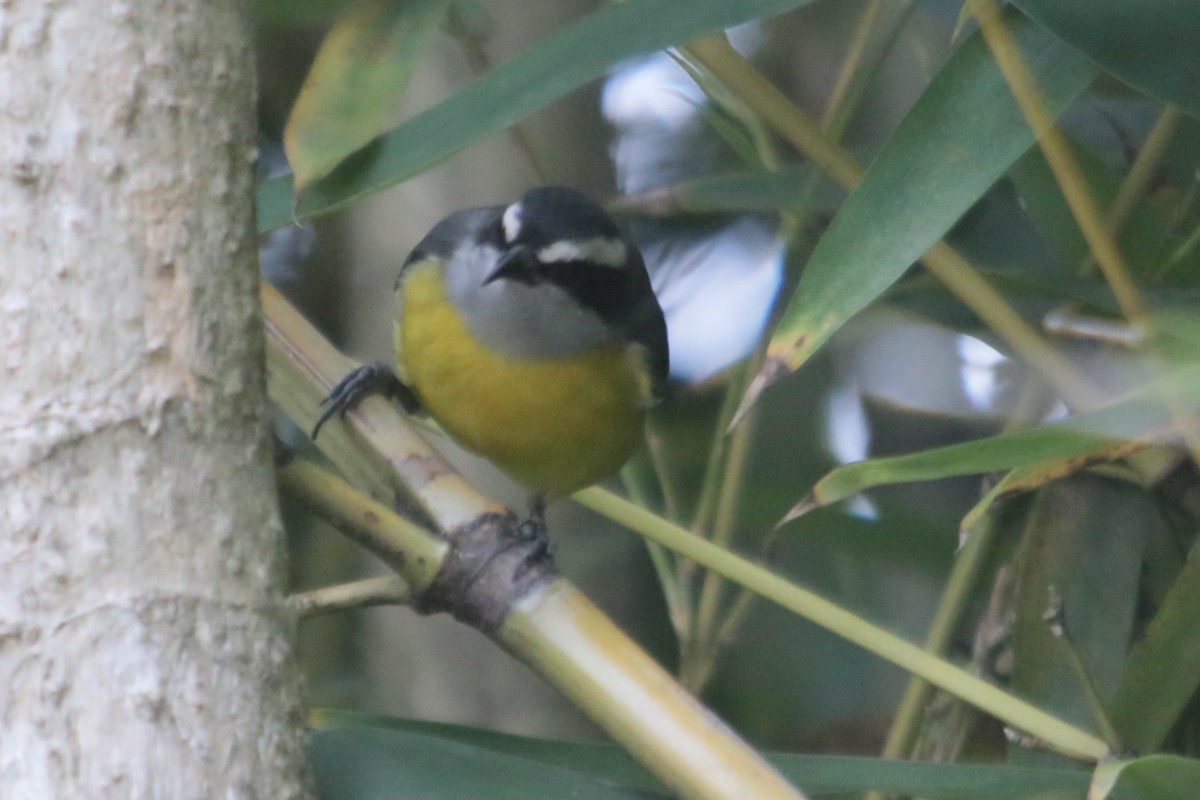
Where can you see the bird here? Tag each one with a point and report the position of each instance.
(531, 334)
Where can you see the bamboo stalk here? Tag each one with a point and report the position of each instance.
(582, 653)
(549, 626)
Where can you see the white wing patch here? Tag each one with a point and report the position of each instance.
(600, 250)
(512, 222)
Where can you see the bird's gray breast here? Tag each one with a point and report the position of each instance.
(539, 322)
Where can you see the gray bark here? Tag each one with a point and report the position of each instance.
(144, 647)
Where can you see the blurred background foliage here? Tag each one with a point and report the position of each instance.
(1067, 576)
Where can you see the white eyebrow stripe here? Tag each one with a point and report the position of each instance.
(512, 222)
(600, 250)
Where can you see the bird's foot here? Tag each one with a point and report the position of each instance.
(373, 378)
(534, 531)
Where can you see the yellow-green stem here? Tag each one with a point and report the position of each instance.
(715, 633)
(1141, 171)
(708, 621)
(968, 285)
(835, 117)
(1018, 713)
(656, 447)
(962, 581)
(958, 275)
(774, 108)
(663, 560)
(1060, 160)
(710, 486)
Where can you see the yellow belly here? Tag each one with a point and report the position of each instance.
(554, 425)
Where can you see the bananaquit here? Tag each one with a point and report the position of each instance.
(531, 334)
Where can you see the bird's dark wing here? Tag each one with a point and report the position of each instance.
(646, 324)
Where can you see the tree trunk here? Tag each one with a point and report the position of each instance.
(144, 647)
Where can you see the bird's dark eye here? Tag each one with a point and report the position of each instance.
(494, 234)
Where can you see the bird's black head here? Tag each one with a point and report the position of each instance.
(554, 236)
(553, 229)
(554, 214)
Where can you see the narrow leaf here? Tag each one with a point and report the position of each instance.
(512, 91)
(1149, 778)
(352, 764)
(354, 87)
(1024, 479)
(963, 133)
(1144, 236)
(1141, 416)
(1080, 558)
(356, 752)
(1153, 46)
(1163, 671)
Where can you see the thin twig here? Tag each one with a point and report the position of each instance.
(384, 590)
(1142, 170)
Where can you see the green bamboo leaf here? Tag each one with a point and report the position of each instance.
(1149, 778)
(353, 90)
(735, 192)
(1144, 238)
(1141, 416)
(591, 761)
(354, 754)
(1163, 670)
(845, 775)
(1025, 479)
(1155, 46)
(1047, 210)
(963, 133)
(1078, 571)
(512, 91)
(353, 764)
